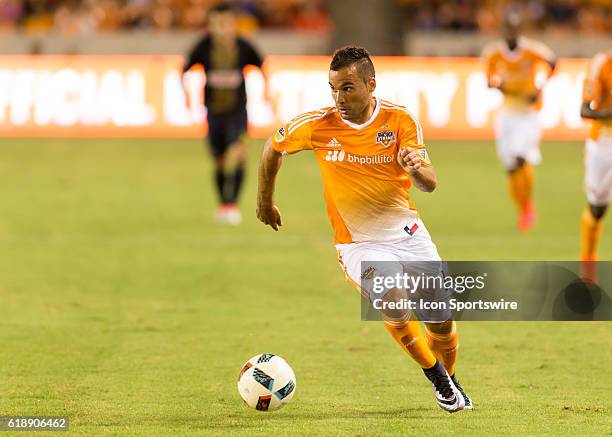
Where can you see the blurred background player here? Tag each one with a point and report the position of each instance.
(597, 106)
(512, 65)
(224, 55)
(370, 152)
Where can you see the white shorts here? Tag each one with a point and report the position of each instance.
(517, 135)
(390, 258)
(598, 171)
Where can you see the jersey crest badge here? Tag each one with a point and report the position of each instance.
(385, 137)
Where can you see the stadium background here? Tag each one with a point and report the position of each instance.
(127, 308)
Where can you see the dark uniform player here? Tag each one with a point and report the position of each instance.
(223, 55)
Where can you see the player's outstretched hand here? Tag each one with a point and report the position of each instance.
(270, 215)
(409, 159)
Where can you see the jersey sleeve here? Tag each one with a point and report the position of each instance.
(489, 65)
(592, 87)
(294, 136)
(252, 56)
(411, 135)
(542, 52)
(195, 57)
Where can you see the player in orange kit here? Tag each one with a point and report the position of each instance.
(512, 65)
(370, 152)
(597, 106)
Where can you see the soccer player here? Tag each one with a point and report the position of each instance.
(512, 65)
(370, 152)
(224, 55)
(597, 106)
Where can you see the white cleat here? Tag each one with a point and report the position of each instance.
(228, 214)
(448, 397)
(469, 405)
(234, 217)
(221, 214)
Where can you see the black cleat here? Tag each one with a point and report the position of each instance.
(448, 397)
(466, 398)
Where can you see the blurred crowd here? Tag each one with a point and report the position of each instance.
(79, 17)
(485, 16)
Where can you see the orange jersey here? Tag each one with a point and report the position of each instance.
(597, 91)
(366, 190)
(516, 70)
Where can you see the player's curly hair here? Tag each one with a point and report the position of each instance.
(349, 55)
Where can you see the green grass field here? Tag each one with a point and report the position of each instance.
(124, 306)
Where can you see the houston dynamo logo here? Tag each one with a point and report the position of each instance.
(335, 155)
(385, 137)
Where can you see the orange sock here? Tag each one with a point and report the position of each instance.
(445, 347)
(515, 184)
(521, 186)
(409, 337)
(528, 178)
(591, 230)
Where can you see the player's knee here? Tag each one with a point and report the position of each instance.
(598, 211)
(440, 328)
(518, 164)
(241, 160)
(240, 152)
(391, 305)
(220, 162)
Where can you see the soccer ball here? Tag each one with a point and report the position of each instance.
(266, 382)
